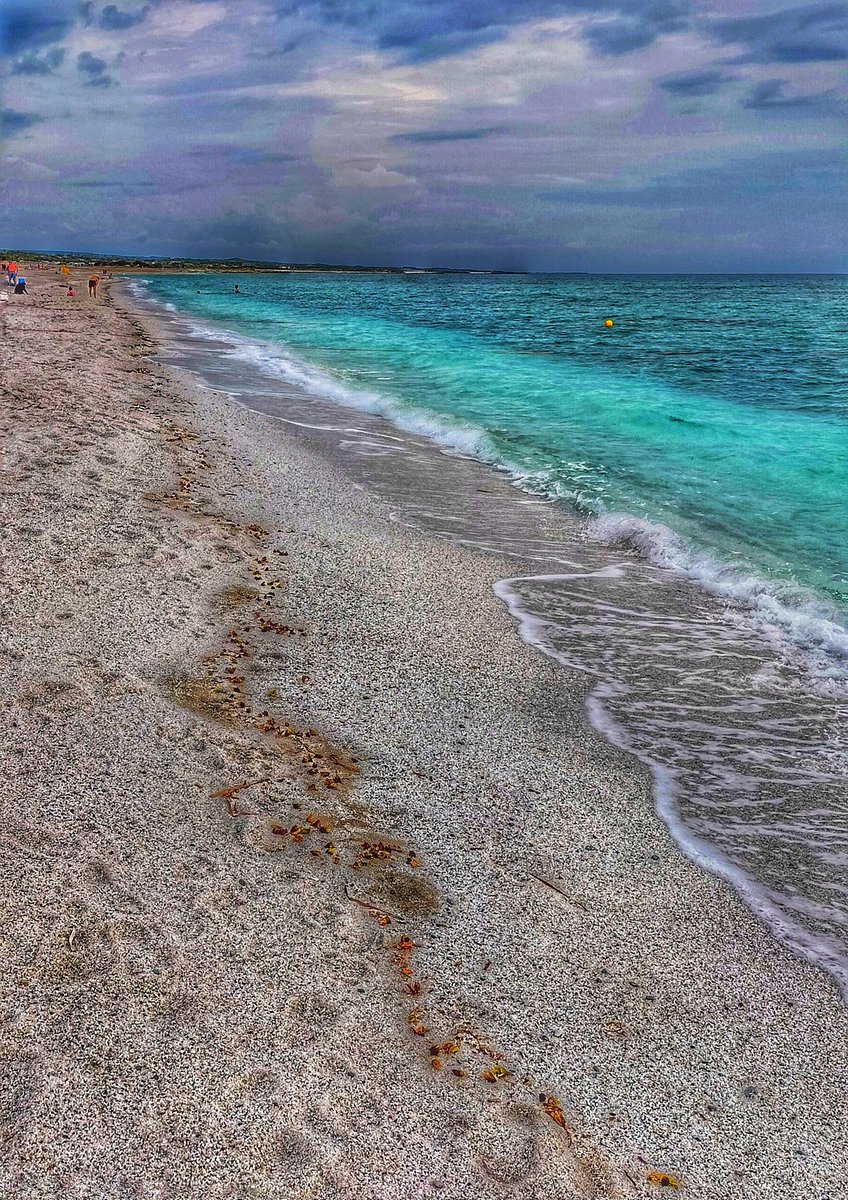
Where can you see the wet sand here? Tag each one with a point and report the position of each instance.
(315, 879)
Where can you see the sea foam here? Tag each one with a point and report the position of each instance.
(786, 613)
(792, 617)
(614, 644)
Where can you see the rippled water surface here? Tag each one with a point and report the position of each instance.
(716, 406)
(707, 432)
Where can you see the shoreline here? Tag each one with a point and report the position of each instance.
(436, 489)
(202, 966)
(805, 624)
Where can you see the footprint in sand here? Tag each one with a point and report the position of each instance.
(19, 1086)
(77, 949)
(312, 1013)
(287, 1158)
(515, 1147)
(506, 1143)
(275, 1153)
(149, 968)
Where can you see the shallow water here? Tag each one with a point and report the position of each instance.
(737, 707)
(711, 422)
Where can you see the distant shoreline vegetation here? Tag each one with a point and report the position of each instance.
(132, 264)
(124, 262)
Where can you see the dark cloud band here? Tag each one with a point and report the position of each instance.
(811, 33)
(423, 137)
(13, 122)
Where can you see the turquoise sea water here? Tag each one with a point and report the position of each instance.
(707, 430)
(716, 408)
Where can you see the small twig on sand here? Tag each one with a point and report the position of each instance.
(370, 905)
(226, 794)
(571, 899)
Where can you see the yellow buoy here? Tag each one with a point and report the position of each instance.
(608, 324)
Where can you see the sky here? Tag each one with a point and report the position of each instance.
(545, 135)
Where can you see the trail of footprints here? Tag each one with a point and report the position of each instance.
(326, 826)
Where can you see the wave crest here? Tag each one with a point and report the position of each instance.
(794, 618)
(784, 609)
(452, 435)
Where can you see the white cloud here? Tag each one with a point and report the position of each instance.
(370, 176)
(185, 20)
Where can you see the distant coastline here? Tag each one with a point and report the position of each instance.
(129, 264)
(135, 264)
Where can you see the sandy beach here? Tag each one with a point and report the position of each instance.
(315, 880)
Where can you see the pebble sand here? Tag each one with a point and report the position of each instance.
(315, 882)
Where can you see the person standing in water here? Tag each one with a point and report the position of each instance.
(92, 285)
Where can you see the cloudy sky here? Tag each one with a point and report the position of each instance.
(617, 135)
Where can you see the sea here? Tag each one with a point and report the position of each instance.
(676, 455)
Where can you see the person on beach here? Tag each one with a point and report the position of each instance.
(21, 287)
(92, 285)
(71, 291)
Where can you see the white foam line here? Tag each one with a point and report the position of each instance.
(787, 614)
(458, 436)
(792, 618)
(823, 951)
